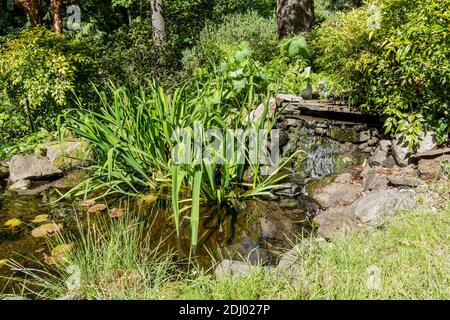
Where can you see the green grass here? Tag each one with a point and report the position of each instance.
(411, 251)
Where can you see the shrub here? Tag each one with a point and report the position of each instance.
(130, 56)
(217, 40)
(39, 72)
(392, 55)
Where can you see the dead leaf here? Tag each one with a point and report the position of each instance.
(149, 198)
(48, 229)
(40, 218)
(88, 203)
(13, 223)
(116, 212)
(97, 208)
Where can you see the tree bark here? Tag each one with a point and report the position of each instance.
(33, 9)
(294, 16)
(56, 6)
(158, 23)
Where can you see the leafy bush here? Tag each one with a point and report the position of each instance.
(39, 72)
(393, 56)
(217, 40)
(130, 56)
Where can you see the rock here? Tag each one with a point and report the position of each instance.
(380, 204)
(291, 122)
(404, 181)
(334, 193)
(430, 169)
(426, 142)
(372, 141)
(4, 170)
(283, 97)
(378, 157)
(291, 261)
(31, 168)
(364, 136)
(231, 269)
(400, 151)
(385, 145)
(344, 178)
(389, 162)
(258, 112)
(68, 154)
(288, 204)
(431, 153)
(70, 180)
(344, 134)
(375, 181)
(20, 185)
(336, 221)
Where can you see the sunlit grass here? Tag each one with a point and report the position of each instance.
(411, 252)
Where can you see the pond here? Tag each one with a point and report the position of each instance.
(262, 230)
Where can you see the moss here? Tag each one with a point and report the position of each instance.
(344, 134)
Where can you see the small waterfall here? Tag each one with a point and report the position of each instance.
(319, 159)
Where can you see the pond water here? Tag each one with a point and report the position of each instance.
(258, 233)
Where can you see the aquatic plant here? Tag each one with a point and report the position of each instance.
(132, 137)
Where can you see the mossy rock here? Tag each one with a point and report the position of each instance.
(68, 154)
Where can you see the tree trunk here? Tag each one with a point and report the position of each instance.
(33, 9)
(56, 6)
(158, 23)
(294, 16)
(129, 16)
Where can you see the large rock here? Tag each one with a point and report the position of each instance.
(334, 193)
(70, 180)
(426, 142)
(404, 181)
(379, 157)
(20, 185)
(259, 111)
(291, 261)
(374, 180)
(31, 168)
(400, 151)
(68, 154)
(430, 169)
(369, 210)
(231, 268)
(380, 204)
(336, 221)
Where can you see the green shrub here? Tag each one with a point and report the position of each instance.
(217, 40)
(40, 68)
(393, 56)
(130, 56)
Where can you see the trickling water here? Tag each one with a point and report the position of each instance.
(319, 159)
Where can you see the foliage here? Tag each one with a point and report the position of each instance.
(130, 56)
(25, 145)
(393, 56)
(134, 139)
(217, 40)
(40, 68)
